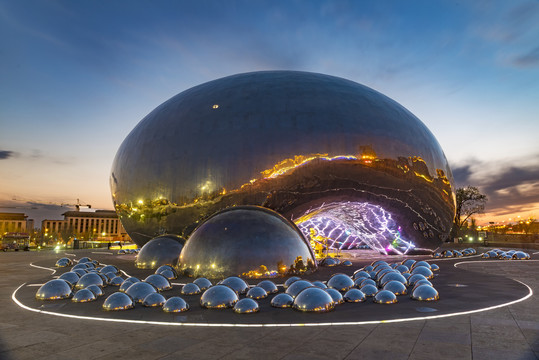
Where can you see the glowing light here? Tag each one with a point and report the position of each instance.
(215, 106)
(345, 225)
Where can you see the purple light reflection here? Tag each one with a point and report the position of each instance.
(345, 225)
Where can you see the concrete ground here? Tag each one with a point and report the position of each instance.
(510, 332)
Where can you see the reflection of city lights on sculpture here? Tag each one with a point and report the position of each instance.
(345, 225)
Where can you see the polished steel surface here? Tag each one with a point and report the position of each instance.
(354, 295)
(361, 274)
(167, 271)
(70, 276)
(191, 289)
(392, 277)
(154, 300)
(246, 306)
(290, 280)
(421, 263)
(125, 285)
(282, 301)
(160, 282)
(421, 282)
(236, 284)
(161, 250)
(81, 272)
(434, 267)
(63, 262)
(81, 267)
(247, 241)
(110, 268)
(269, 286)
(96, 290)
(175, 304)
(425, 293)
(426, 272)
(84, 260)
(118, 301)
(415, 278)
(396, 287)
(340, 282)
(369, 290)
(347, 263)
(300, 143)
(408, 263)
(202, 283)
(335, 295)
(313, 299)
(116, 281)
(329, 261)
(385, 297)
(521, 255)
(319, 284)
(89, 279)
(138, 291)
(298, 286)
(84, 295)
(218, 297)
(257, 293)
(55, 289)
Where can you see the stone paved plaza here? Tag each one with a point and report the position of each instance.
(510, 332)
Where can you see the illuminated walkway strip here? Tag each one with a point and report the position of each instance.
(14, 298)
(44, 268)
(486, 261)
(102, 252)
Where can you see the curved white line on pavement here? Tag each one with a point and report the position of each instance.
(44, 268)
(70, 254)
(486, 261)
(163, 323)
(102, 252)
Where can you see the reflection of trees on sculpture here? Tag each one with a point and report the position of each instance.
(469, 201)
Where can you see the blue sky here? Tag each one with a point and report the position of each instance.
(77, 76)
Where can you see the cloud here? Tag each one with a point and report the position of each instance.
(511, 186)
(6, 154)
(530, 59)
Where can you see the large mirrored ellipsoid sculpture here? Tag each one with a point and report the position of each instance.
(246, 241)
(347, 164)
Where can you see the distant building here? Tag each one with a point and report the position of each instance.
(15, 222)
(99, 225)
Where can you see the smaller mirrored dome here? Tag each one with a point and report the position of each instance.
(396, 287)
(175, 304)
(420, 263)
(190, 289)
(346, 263)
(138, 291)
(415, 278)
(246, 306)
(256, 293)
(434, 267)
(235, 283)
(319, 284)
(125, 285)
(81, 267)
(118, 301)
(369, 290)
(290, 280)
(203, 283)
(394, 276)
(354, 295)
(328, 261)
(521, 255)
(406, 275)
(457, 253)
(408, 263)
(70, 276)
(362, 282)
(89, 279)
(421, 282)
(382, 272)
(154, 300)
(63, 262)
(55, 289)
(436, 255)
(167, 271)
(340, 282)
(110, 269)
(116, 281)
(378, 262)
(282, 301)
(132, 279)
(297, 286)
(84, 260)
(313, 299)
(83, 295)
(423, 271)
(121, 252)
(385, 297)
(269, 286)
(335, 295)
(218, 297)
(160, 282)
(90, 265)
(361, 274)
(447, 254)
(425, 293)
(96, 290)
(161, 250)
(402, 269)
(368, 268)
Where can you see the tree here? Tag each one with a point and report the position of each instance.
(67, 233)
(469, 201)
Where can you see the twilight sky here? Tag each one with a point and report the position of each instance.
(77, 76)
